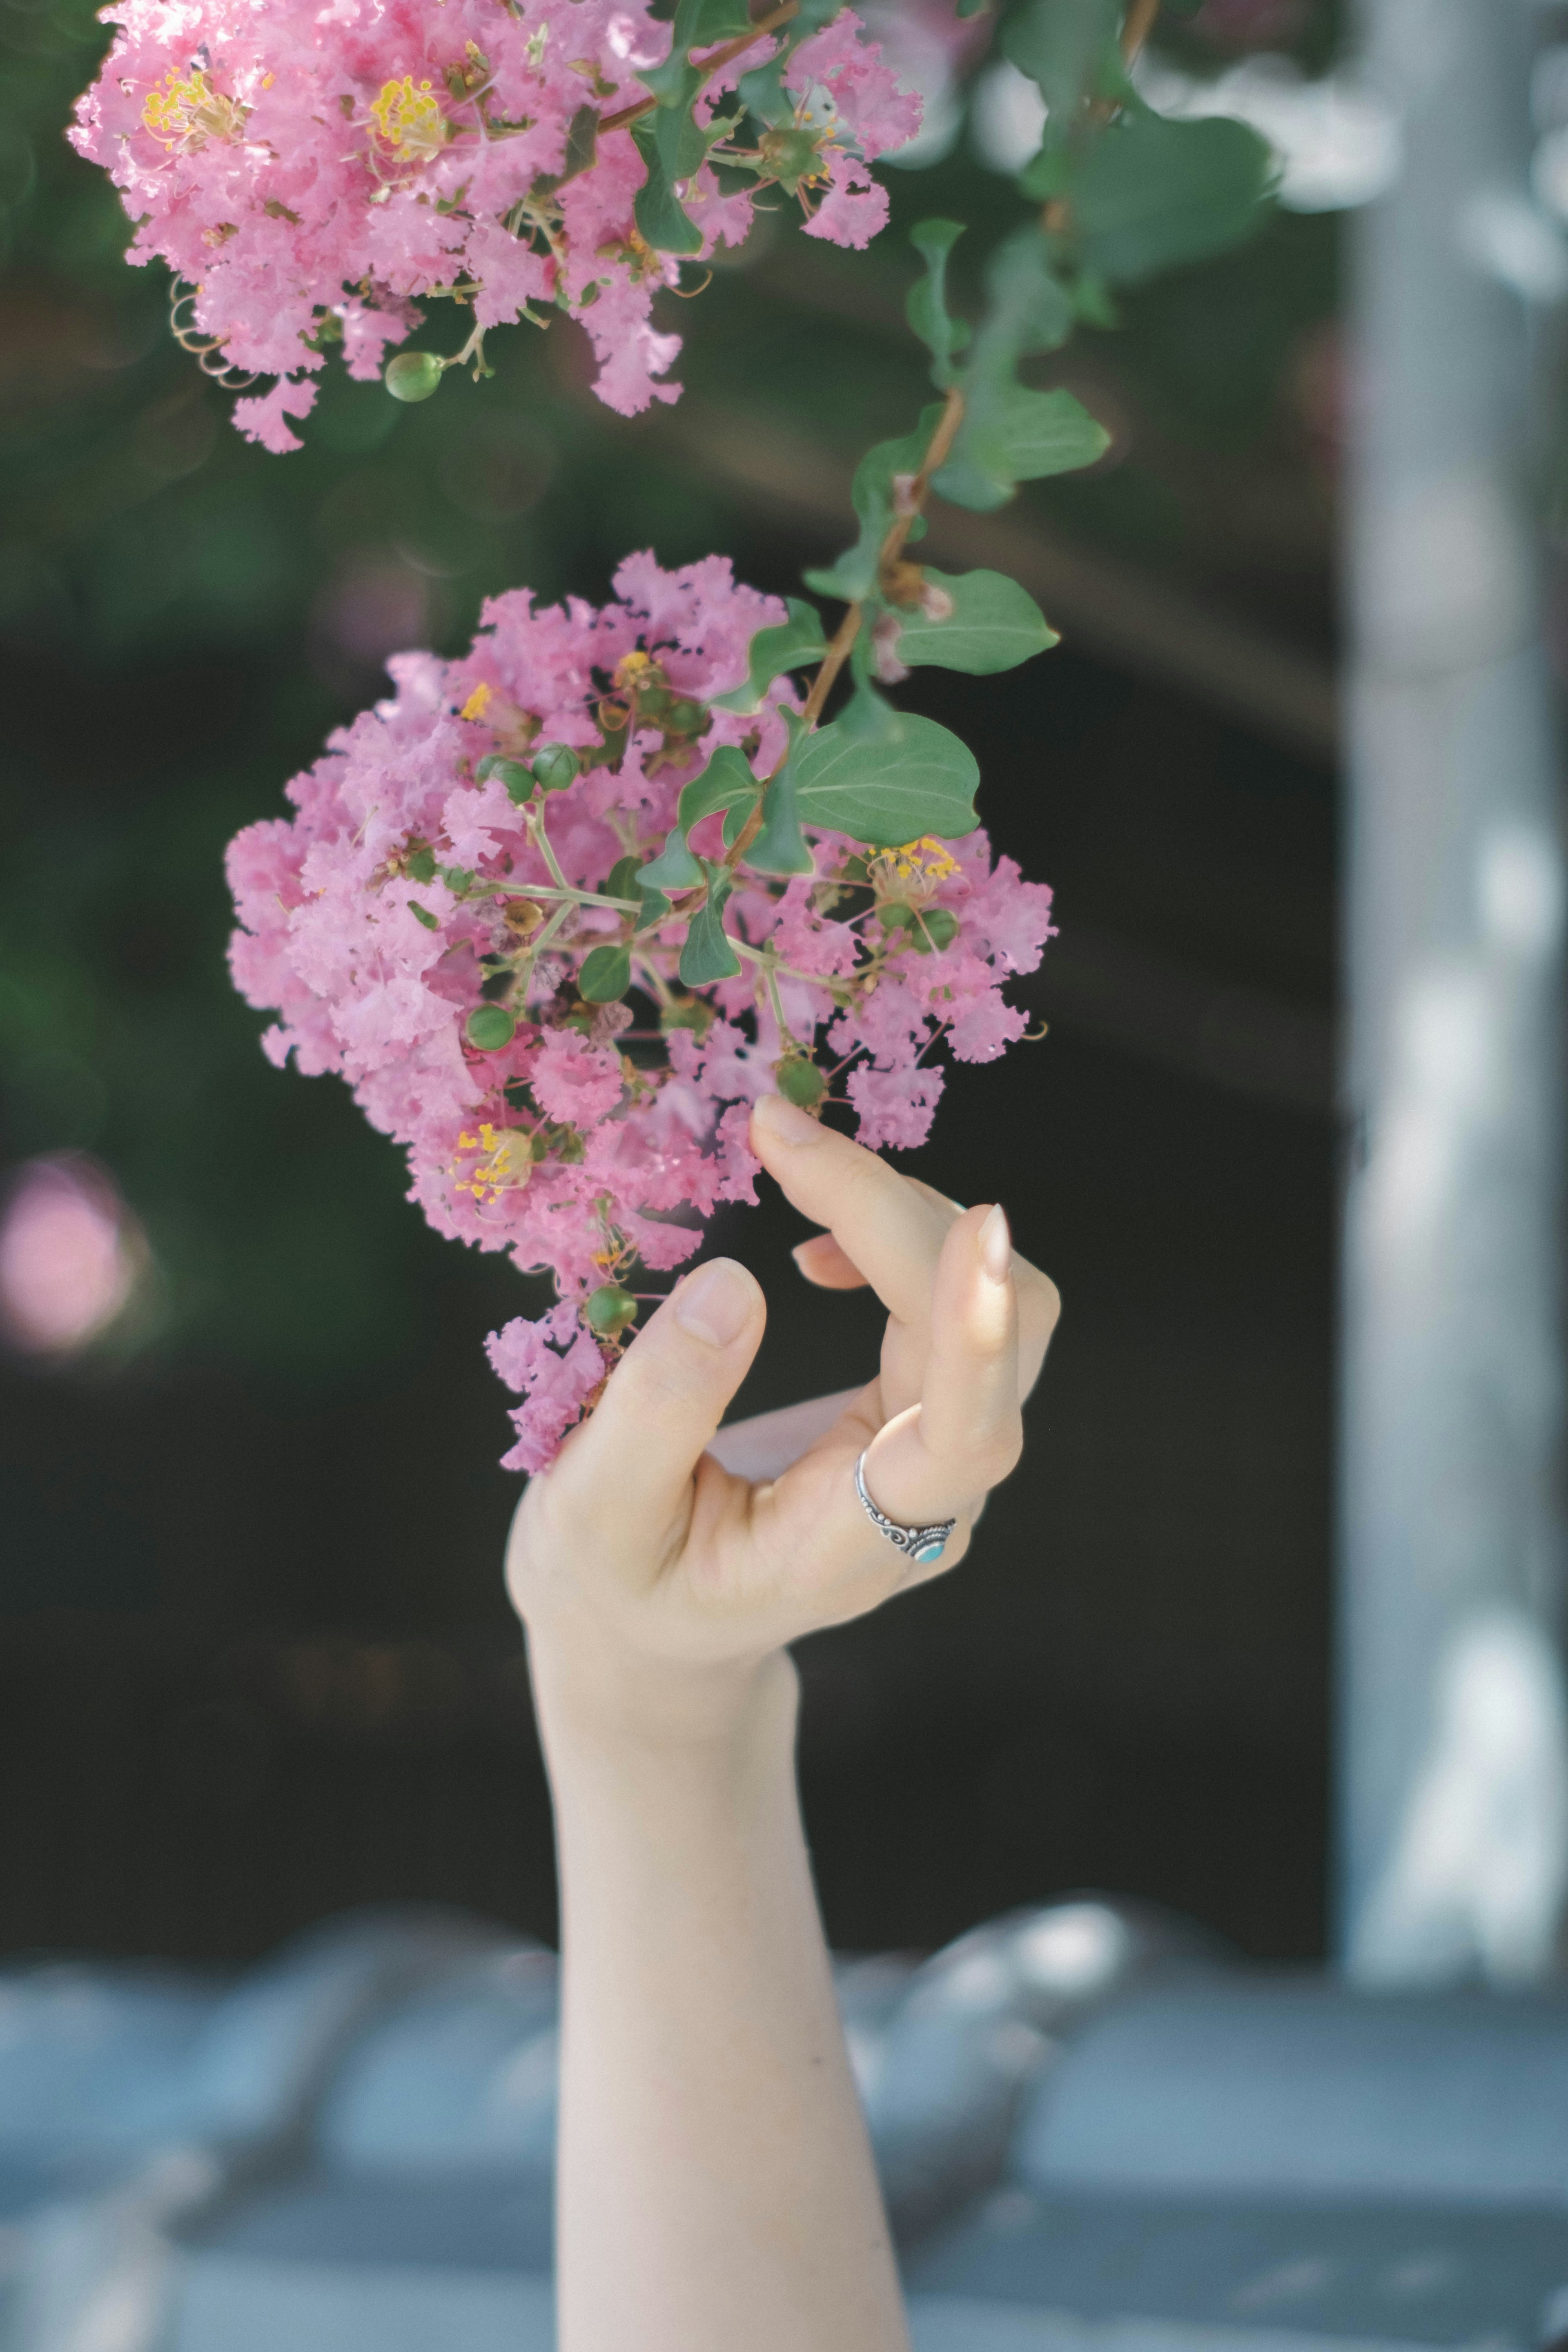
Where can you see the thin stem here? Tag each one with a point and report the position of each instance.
(936, 457)
(1139, 25)
(536, 826)
(711, 64)
(938, 450)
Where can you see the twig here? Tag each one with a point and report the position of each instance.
(709, 66)
(843, 642)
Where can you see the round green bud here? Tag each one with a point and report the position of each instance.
(896, 918)
(554, 766)
(937, 927)
(800, 1082)
(684, 718)
(490, 1027)
(412, 376)
(610, 1309)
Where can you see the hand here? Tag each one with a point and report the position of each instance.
(654, 1582)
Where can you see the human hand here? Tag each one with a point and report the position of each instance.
(655, 1583)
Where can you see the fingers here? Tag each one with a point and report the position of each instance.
(885, 1228)
(764, 1445)
(663, 1402)
(823, 1262)
(883, 1225)
(931, 1462)
(967, 1433)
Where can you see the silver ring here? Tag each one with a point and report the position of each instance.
(923, 1544)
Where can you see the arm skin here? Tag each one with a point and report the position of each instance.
(715, 2186)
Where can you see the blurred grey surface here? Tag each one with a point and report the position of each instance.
(1095, 2133)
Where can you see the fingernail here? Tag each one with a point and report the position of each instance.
(715, 1303)
(996, 1244)
(785, 1121)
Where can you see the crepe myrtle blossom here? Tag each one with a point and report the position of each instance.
(312, 175)
(452, 921)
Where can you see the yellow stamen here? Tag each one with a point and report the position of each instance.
(410, 120)
(478, 703)
(189, 111)
(506, 1164)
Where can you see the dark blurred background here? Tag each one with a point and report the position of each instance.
(256, 1662)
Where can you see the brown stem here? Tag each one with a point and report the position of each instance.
(1055, 217)
(709, 65)
(938, 450)
(1136, 29)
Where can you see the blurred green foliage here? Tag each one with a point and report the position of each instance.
(182, 617)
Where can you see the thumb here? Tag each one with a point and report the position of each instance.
(665, 1399)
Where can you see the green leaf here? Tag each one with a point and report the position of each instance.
(1148, 194)
(708, 954)
(581, 153)
(854, 574)
(1009, 434)
(622, 883)
(781, 847)
(1069, 48)
(607, 973)
(1013, 435)
(994, 625)
(916, 778)
(697, 25)
(926, 307)
(422, 914)
(791, 645)
(673, 148)
(726, 783)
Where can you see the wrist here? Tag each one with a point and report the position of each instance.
(595, 1700)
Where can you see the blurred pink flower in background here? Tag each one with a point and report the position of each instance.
(70, 1255)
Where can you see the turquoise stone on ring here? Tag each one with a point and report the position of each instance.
(921, 1545)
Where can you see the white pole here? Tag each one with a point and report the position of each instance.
(1453, 1780)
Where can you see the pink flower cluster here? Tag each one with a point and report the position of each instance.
(312, 172)
(425, 894)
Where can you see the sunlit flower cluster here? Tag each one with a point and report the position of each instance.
(452, 919)
(313, 173)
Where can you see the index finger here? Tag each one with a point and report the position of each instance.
(890, 1228)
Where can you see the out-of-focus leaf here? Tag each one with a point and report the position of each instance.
(926, 309)
(1148, 194)
(673, 148)
(854, 573)
(1008, 433)
(993, 624)
(1015, 435)
(1069, 48)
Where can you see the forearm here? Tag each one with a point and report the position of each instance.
(714, 2182)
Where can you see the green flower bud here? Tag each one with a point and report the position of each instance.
(490, 1027)
(937, 927)
(896, 918)
(800, 1082)
(609, 1309)
(554, 766)
(422, 865)
(412, 376)
(684, 718)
